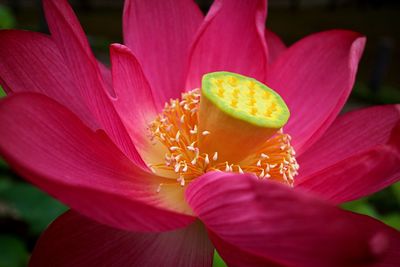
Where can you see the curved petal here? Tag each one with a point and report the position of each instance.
(275, 45)
(106, 75)
(292, 228)
(134, 101)
(73, 240)
(31, 62)
(72, 43)
(315, 77)
(159, 33)
(357, 156)
(52, 148)
(231, 38)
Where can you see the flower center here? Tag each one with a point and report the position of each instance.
(233, 124)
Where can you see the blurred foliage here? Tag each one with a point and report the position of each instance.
(25, 212)
(13, 252)
(7, 20)
(385, 95)
(383, 205)
(29, 204)
(2, 93)
(218, 261)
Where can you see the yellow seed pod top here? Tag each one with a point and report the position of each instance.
(245, 99)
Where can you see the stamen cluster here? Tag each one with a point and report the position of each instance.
(176, 128)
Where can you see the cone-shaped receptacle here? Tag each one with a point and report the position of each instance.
(237, 114)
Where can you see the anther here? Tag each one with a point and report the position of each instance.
(191, 148)
(215, 157)
(240, 170)
(204, 133)
(194, 131)
(227, 169)
(267, 169)
(177, 167)
(182, 181)
(178, 134)
(206, 160)
(185, 168)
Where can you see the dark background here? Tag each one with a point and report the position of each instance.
(25, 211)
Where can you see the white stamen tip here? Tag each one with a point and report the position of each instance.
(226, 166)
(206, 160)
(264, 156)
(185, 168)
(194, 131)
(173, 148)
(178, 134)
(204, 133)
(267, 169)
(215, 157)
(240, 170)
(259, 163)
(177, 167)
(190, 148)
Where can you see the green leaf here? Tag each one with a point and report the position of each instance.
(13, 252)
(392, 220)
(396, 191)
(7, 20)
(31, 204)
(218, 261)
(2, 93)
(361, 206)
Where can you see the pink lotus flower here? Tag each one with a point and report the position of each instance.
(91, 141)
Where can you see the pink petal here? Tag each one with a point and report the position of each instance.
(107, 79)
(159, 34)
(315, 77)
(274, 44)
(276, 223)
(231, 38)
(31, 62)
(134, 100)
(72, 43)
(52, 148)
(357, 156)
(73, 240)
